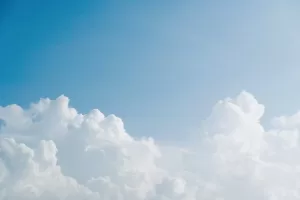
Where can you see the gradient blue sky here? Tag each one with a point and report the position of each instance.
(159, 65)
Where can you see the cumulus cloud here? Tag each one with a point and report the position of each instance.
(50, 151)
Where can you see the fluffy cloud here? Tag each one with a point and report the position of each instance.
(50, 151)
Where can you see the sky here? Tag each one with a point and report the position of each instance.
(149, 100)
(159, 65)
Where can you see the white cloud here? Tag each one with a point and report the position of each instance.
(50, 151)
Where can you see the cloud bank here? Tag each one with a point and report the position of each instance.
(49, 151)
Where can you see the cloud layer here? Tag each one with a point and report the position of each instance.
(50, 151)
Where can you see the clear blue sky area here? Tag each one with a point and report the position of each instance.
(159, 65)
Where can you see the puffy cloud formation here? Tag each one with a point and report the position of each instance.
(50, 151)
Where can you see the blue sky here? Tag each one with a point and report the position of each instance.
(159, 65)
